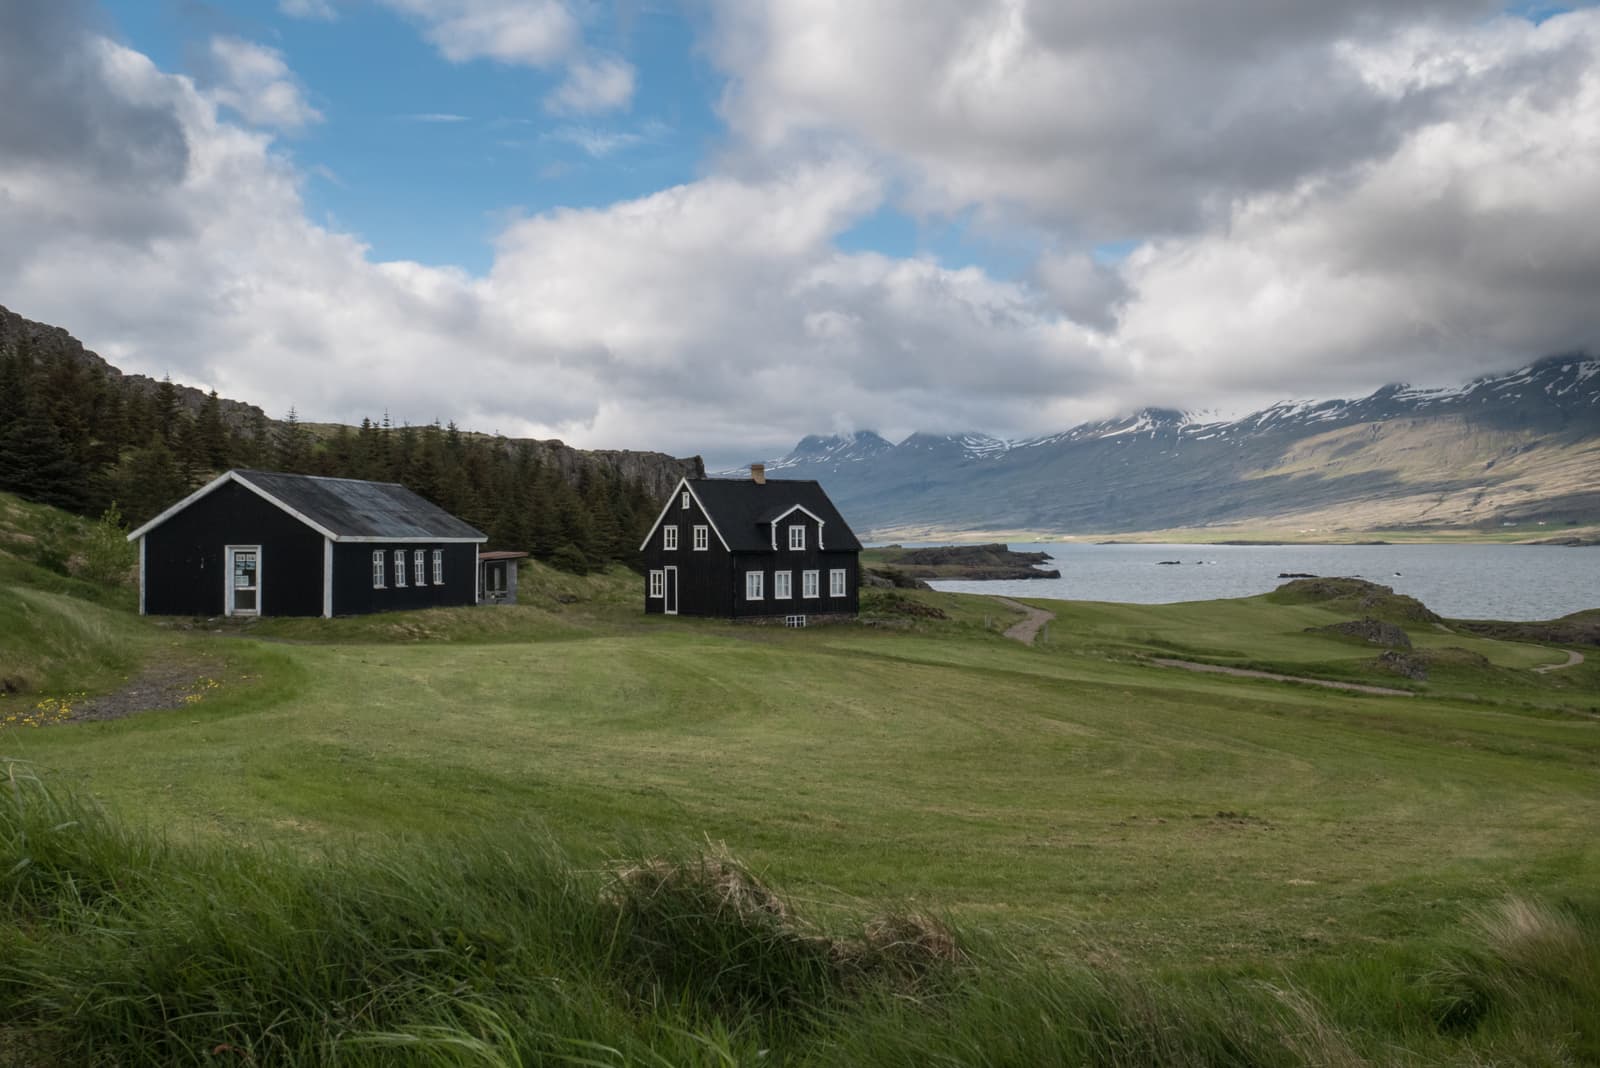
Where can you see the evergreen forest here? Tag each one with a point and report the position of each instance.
(73, 437)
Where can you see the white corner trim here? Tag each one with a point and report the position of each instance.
(327, 578)
(141, 574)
(672, 498)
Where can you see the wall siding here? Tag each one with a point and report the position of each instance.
(352, 578)
(703, 585)
(711, 583)
(184, 562)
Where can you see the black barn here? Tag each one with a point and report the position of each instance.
(252, 543)
(757, 548)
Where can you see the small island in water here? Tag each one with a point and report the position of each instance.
(994, 561)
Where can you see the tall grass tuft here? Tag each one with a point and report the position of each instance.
(117, 947)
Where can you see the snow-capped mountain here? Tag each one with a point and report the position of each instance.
(1508, 448)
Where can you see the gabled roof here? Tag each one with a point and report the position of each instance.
(742, 510)
(344, 509)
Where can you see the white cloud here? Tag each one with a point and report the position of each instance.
(597, 143)
(1113, 119)
(594, 84)
(254, 81)
(1460, 252)
(721, 315)
(308, 9)
(533, 32)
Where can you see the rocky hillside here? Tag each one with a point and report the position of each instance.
(1514, 449)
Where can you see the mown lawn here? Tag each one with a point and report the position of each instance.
(1070, 797)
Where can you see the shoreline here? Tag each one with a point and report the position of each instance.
(1561, 537)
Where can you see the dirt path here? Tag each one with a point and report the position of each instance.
(1029, 628)
(164, 684)
(1574, 658)
(1244, 673)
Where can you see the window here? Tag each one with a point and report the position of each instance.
(438, 567)
(794, 621)
(797, 536)
(377, 569)
(836, 583)
(702, 538)
(685, 500)
(419, 567)
(658, 584)
(400, 567)
(752, 586)
(782, 585)
(808, 583)
(669, 537)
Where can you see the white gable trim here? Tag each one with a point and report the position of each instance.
(821, 523)
(672, 498)
(216, 484)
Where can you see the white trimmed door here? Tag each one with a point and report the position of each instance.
(670, 604)
(243, 570)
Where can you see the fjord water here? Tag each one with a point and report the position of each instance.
(1517, 582)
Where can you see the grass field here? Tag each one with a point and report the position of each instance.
(1068, 802)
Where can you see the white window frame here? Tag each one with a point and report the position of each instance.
(380, 561)
(658, 585)
(837, 579)
(754, 585)
(782, 585)
(399, 569)
(794, 621)
(810, 583)
(702, 537)
(669, 537)
(438, 567)
(685, 500)
(797, 536)
(419, 568)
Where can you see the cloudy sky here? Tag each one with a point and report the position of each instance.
(716, 225)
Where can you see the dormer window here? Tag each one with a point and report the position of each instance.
(797, 536)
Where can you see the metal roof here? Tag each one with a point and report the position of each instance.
(744, 509)
(344, 509)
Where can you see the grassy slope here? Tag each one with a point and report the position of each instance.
(1067, 793)
(1063, 803)
(57, 633)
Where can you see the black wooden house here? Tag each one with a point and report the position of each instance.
(260, 543)
(756, 549)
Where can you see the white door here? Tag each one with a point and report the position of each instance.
(243, 597)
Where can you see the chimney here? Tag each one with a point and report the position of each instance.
(758, 474)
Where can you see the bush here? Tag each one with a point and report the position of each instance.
(108, 556)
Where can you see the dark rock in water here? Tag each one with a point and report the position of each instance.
(1167, 563)
(995, 561)
(1404, 664)
(1295, 574)
(891, 578)
(1375, 631)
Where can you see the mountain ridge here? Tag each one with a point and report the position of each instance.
(1443, 458)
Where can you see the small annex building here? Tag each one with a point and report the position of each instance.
(754, 549)
(262, 543)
